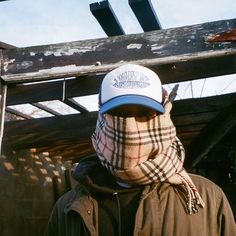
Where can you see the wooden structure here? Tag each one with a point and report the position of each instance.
(33, 175)
(75, 69)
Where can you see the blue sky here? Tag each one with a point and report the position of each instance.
(37, 22)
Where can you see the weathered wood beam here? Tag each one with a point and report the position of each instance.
(145, 14)
(3, 94)
(50, 139)
(67, 150)
(75, 105)
(74, 128)
(203, 104)
(6, 45)
(211, 135)
(106, 17)
(176, 54)
(47, 91)
(18, 113)
(51, 149)
(50, 124)
(82, 86)
(47, 109)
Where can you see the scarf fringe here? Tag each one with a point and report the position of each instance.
(193, 198)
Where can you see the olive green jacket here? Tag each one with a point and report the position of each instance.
(161, 212)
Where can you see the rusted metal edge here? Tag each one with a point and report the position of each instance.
(225, 36)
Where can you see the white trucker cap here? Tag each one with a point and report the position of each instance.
(131, 84)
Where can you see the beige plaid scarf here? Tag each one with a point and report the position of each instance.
(144, 150)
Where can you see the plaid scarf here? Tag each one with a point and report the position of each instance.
(144, 150)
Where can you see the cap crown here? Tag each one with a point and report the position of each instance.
(130, 81)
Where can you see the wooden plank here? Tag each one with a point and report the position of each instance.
(17, 113)
(211, 135)
(69, 150)
(193, 119)
(51, 149)
(50, 139)
(47, 109)
(47, 91)
(3, 94)
(76, 156)
(204, 104)
(84, 86)
(69, 121)
(176, 54)
(182, 129)
(145, 14)
(106, 17)
(72, 103)
(6, 45)
(186, 137)
(50, 124)
(72, 136)
(74, 128)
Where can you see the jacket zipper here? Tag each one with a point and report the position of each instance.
(119, 213)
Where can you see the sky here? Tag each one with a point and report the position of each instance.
(38, 22)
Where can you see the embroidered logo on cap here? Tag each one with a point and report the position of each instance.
(131, 80)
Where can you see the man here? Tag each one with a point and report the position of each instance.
(136, 183)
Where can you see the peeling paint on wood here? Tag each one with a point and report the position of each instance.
(24, 65)
(5, 64)
(74, 70)
(160, 49)
(134, 46)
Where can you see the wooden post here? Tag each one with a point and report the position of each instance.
(3, 92)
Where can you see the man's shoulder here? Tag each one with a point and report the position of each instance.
(67, 198)
(205, 185)
(201, 179)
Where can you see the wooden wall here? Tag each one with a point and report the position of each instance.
(30, 183)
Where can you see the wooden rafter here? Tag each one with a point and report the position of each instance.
(77, 128)
(3, 95)
(106, 17)
(6, 45)
(47, 109)
(40, 92)
(175, 54)
(18, 113)
(145, 14)
(75, 105)
(211, 135)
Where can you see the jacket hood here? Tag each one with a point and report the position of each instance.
(96, 178)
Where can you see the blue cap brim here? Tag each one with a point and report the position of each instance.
(131, 100)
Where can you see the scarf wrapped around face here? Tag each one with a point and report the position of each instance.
(143, 150)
